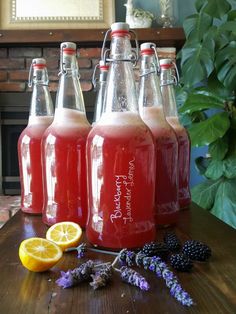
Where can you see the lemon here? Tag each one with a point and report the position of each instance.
(65, 234)
(38, 254)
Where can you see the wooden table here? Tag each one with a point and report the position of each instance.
(212, 285)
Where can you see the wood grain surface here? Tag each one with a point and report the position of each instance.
(212, 285)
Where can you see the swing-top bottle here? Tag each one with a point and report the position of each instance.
(29, 143)
(168, 80)
(121, 159)
(151, 111)
(64, 157)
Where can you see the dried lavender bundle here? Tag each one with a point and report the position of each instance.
(156, 265)
(101, 277)
(133, 278)
(76, 276)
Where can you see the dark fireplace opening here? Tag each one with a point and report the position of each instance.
(14, 112)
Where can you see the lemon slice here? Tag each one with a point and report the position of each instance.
(65, 234)
(38, 254)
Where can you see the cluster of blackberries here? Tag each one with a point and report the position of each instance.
(181, 260)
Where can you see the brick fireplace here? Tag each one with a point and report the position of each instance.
(18, 48)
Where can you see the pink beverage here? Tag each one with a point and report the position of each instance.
(29, 154)
(184, 161)
(170, 108)
(63, 148)
(65, 168)
(166, 197)
(29, 143)
(121, 169)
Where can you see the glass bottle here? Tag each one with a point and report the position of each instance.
(168, 80)
(29, 143)
(64, 157)
(121, 159)
(104, 67)
(151, 111)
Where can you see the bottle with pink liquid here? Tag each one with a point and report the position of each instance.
(151, 111)
(121, 159)
(63, 146)
(29, 143)
(168, 80)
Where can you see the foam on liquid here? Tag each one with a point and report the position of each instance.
(42, 120)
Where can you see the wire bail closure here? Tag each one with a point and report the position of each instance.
(64, 70)
(31, 76)
(175, 79)
(94, 79)
(135, 51)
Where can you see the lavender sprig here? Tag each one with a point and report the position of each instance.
(76, 276)
(81, 249)
(101, 277)
(127, 257)
(156, 265)
(133, 277)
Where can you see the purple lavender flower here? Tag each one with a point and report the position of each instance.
(66, 280)
(76, 276)
(156, 265)
(81, 249)
(127, 257)
(134, 278)
(101, 277)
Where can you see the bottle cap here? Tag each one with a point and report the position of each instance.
(147, 48)
(39, 63)
(68, 47)
(118, 26)
(119, 29)
(103, 66)
(166, 63)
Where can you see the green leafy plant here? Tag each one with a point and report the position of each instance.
(208, 87)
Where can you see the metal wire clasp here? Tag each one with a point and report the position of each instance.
(174, 78)
(30, 78)
(135, 51)
(94, 79)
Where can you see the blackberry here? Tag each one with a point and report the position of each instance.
(181, 262)
(172, 242)
(155, 249)
(196, 250)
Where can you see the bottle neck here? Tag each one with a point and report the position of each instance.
(69, 95)
(168, 92)
(41, 102)
(149, 89)
(121, 91)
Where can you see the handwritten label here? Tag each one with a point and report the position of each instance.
(123, 196)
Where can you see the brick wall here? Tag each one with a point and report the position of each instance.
(15, 63)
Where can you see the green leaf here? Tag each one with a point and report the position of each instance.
(228, 26)
(217, 88)
(201, 164)
(199, 4)
(217, 8)
(232, 15)
(208, 131)
(204, 193)
(214, 170)
(226, 65)
(229, 167)
(196, 26)
(225, 202)
(196, 63)
(219, 148)
(197, 101)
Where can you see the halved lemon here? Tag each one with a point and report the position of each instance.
(65, 234)
(38, 254)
